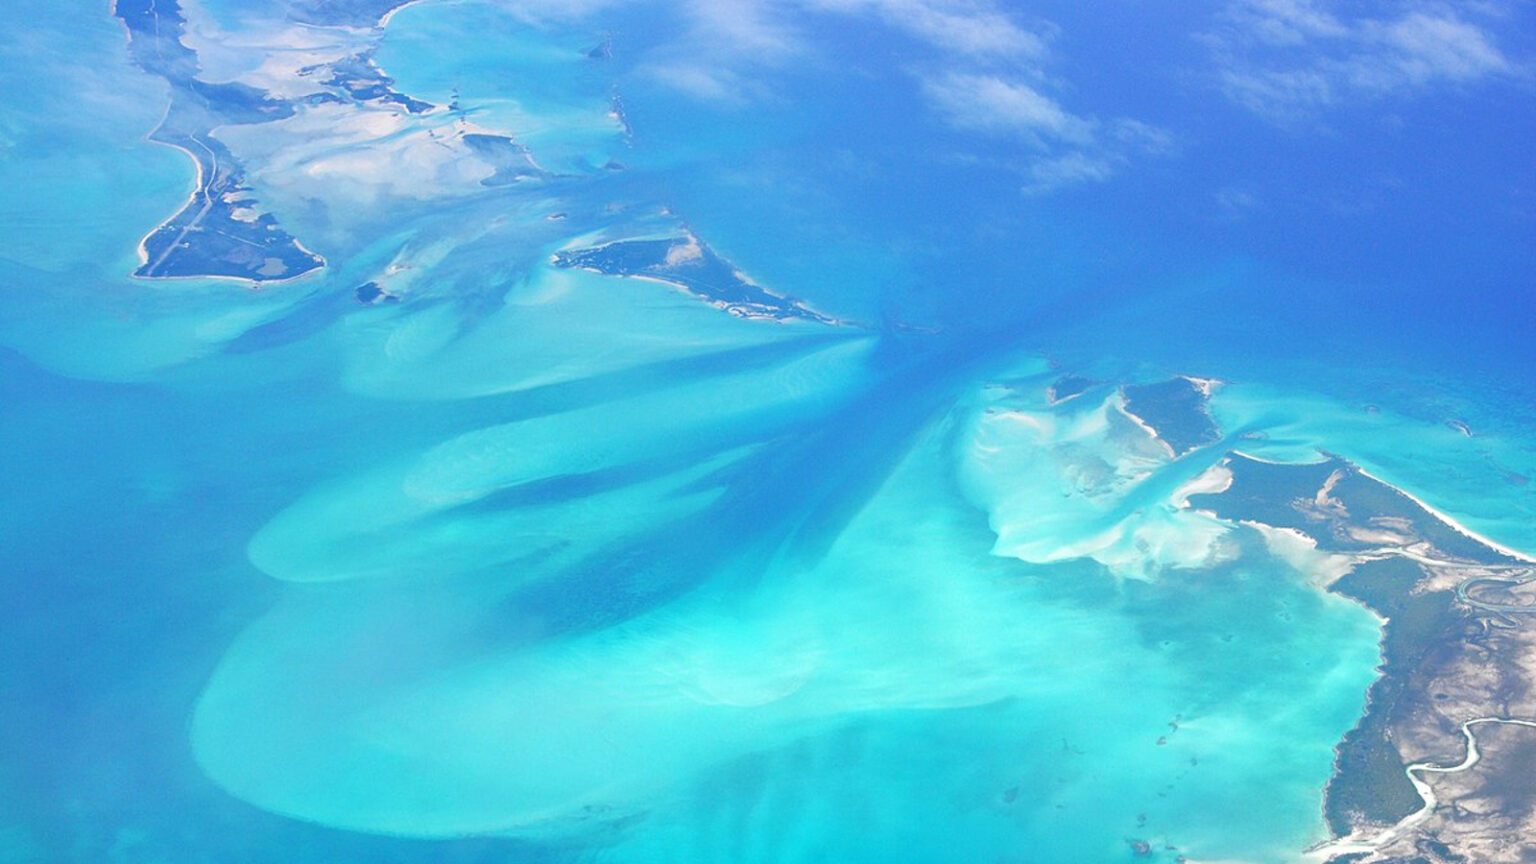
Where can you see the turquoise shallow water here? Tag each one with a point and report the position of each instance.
(545, 565)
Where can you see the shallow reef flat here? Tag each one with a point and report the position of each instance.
(693, 670)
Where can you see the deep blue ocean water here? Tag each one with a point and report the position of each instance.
(540, 565)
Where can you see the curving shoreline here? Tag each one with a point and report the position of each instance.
(217, 233)
(1452, 523)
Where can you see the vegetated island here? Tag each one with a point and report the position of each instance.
(1069, 387)
(1438, 769)
(219, 232)
(687, 263)
(1176, 410)
(1446, 662)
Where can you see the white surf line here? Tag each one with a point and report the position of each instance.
(1451, 522)
(1456, 526)
(1261, 460)
(1206, 386)
(204, 187)
(1345, 845)
(1438, 514)
(1117, 402)
(383, 22)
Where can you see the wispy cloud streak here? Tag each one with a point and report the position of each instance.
(980, 69)
(1289, 59)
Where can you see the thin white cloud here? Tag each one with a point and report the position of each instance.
(722, 47)
(980, 68)
(988, 103)
(748, 27)
(1069, 169)
(1234, 203)
(722, 42)
(971, 29)
(1421, 48)
(1280, 94)
(1145, 137)
(706, 83)
(1288, 59)
(1064, 149)
(1288, 22)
